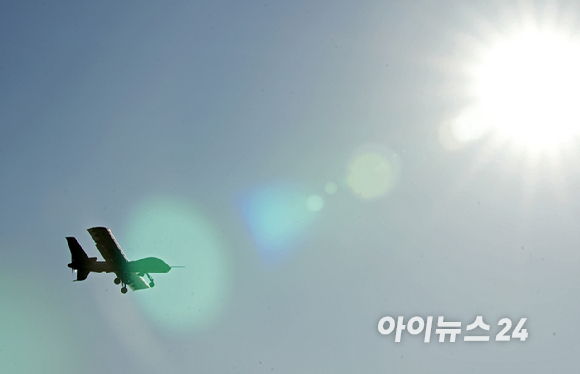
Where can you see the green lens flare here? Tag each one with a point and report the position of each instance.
(35, 335)
(372, 174)
(314, 203)
(190, 298)
(330, 188)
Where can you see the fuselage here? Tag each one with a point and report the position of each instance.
(143, 266)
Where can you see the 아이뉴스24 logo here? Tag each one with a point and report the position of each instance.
(417, 325)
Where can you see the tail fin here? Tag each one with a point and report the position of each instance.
(79, 259)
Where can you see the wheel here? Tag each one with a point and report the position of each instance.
(124, 289)
(151, 284)
(117, 281)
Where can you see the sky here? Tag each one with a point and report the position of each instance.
(314, 166)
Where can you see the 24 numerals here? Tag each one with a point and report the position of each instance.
(518, 332)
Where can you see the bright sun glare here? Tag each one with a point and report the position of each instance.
(528, 88)
(522, 82)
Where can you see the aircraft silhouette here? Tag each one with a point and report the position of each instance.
(129, 273)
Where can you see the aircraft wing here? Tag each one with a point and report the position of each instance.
(112, 253)
(134, 281)
(108, 246)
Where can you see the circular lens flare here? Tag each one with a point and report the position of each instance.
(187, 299)
(314, 203)
(372, 174)
(330, 188)
(279, 217)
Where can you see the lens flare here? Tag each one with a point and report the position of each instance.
(278, 217)
(34, 325)
(187, 299)
(330, 188)
(314, 203)
(372, 174)
(470, 125)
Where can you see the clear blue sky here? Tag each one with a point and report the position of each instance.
(293, 156)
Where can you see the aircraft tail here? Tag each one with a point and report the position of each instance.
(79, 259)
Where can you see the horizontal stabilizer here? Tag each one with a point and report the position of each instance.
(82, 274)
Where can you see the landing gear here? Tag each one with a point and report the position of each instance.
(151, 281)
(124, 288)
(120, 279)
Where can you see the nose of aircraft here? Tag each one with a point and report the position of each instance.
(149, 265)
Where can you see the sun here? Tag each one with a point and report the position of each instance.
(522, 80)
(513, 90)
(528, 87)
